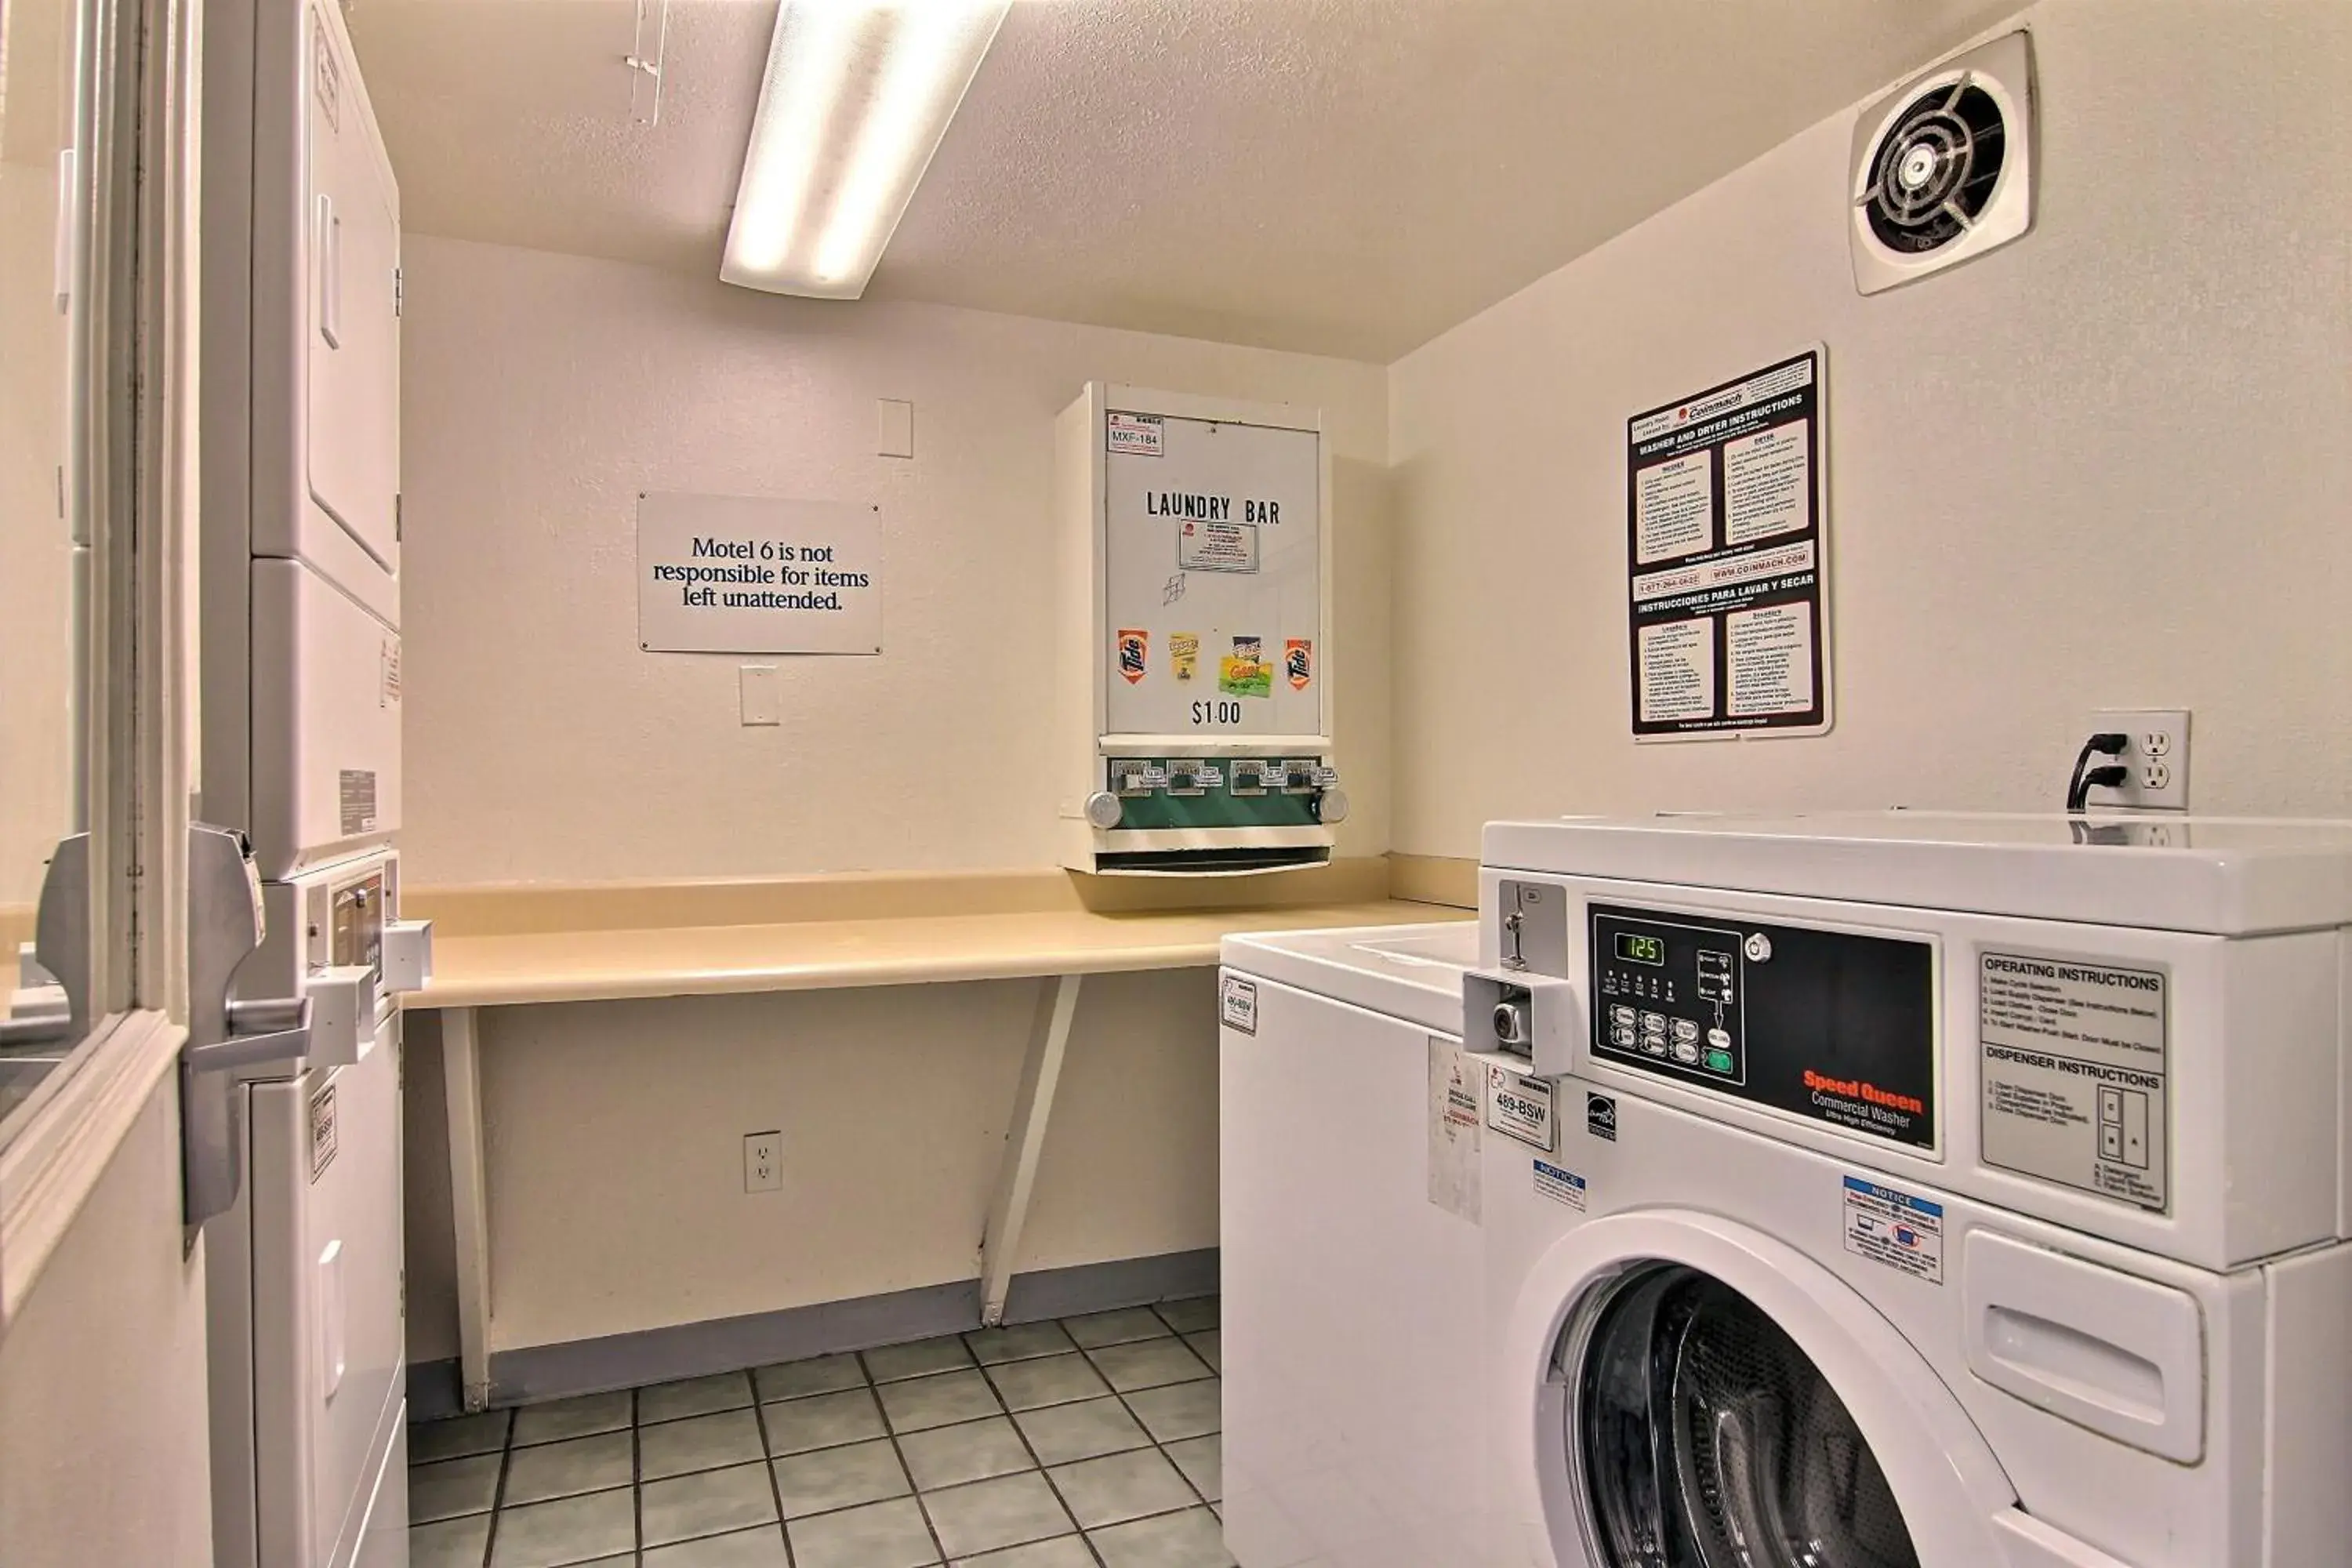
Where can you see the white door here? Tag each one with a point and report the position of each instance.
(103, 1375)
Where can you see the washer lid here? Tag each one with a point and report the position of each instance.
(1414, 972)
(2226, 876)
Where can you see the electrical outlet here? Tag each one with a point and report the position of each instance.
(763, 1162)
(2156, 757)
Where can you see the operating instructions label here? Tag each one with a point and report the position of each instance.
(1727, 534)
(2075, 1074)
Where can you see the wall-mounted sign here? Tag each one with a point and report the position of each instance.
(744, 574)
(1727, 553)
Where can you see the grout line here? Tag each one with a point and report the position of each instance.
(768, 1462)
(636, 1485)
(498, 1496)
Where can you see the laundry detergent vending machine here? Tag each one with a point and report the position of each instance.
(292, 1090)
(1194, 676)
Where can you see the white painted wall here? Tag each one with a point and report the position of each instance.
(614, 1139)
(2107, 465)
(103, 1429)
(36, 554)
(542, 392)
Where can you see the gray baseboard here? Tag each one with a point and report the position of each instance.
(536, 1372)
(1100, 1287)
(433, 1390)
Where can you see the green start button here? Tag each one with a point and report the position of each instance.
(1718, 1061)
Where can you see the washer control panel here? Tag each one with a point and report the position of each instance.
(1667, 992)
(1835, 1026)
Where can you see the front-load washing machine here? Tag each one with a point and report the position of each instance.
(1962, 1192)
(1350, 1136)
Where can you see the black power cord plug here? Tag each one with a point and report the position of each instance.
(2086, 778)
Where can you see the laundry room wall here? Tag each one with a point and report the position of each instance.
(2105, 467)
(541, 394)
(36, 554)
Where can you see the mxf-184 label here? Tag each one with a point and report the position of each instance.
(2075, 1069)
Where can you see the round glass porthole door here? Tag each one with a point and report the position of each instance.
(1703, 1438)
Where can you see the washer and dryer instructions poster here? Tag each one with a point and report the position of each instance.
(1726, 534)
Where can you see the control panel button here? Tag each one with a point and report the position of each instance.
(1653, 1023)
(1719, 1039)
(1686, 1029)
(1687, 1051)
(1622, 1036)
(1623, 1016)
(1718, 1061)
(1655, 1045)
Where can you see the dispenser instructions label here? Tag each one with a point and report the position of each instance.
(1727, 524)
(1237, 1004)
(1894, 1228)
(1454, 1122)
(2076, 1073)
(1520, 1107)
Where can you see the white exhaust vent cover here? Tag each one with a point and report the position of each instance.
(1942, 168)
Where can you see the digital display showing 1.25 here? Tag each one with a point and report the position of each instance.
(1635, 948)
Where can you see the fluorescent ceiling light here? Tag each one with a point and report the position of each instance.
(856, 97)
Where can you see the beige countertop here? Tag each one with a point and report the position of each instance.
(608, 964)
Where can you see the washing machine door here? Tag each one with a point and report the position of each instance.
(1706, 1397)
(1706, 1435)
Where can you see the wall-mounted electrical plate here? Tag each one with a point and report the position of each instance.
(763, 701)
(763, 1162)
(894, 427)
(2156, 757)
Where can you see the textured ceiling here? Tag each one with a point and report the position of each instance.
(1336, 176)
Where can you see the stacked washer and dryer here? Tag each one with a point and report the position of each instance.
(300, 753)
(1966, 1192)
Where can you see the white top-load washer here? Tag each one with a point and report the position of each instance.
(1350, 1259)
(302, 713)
(1967, 1191)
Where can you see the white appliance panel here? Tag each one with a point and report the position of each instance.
(352, 344)
(1351, 1420)
(328, 1319)
(2241, 1151)
(326, 732)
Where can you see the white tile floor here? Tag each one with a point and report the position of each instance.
(1089, 1443)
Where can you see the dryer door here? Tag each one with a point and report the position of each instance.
(1705, 1396)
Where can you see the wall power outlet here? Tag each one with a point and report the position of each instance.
(2156, 757)
(763, 1162)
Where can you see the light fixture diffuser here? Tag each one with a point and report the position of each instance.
(857, 95)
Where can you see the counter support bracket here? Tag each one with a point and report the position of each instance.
(461, 1067)
(1024, 1140)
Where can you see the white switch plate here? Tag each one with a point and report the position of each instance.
(894, 427)
(763, 699)
(763, 1162)
(2156, 757)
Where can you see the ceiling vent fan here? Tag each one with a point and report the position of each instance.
(1943, 167)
